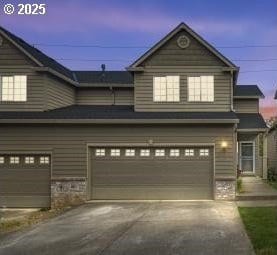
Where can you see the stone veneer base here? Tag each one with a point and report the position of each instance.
(225, 190)
(67, 191)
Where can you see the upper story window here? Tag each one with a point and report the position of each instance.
(13, 88)
(201, 89)
(166, 89)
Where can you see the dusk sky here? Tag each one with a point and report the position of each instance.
(143, 23)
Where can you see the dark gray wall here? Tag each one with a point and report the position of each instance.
(69, 143)
(170, 54)
(104, 96)
(272, 149)
(144, 89)
(58, 93)
(246, 105)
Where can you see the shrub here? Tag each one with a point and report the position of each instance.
(271, 174)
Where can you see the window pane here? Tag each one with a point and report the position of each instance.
(115, 152)
(145, 152)
(129, 152)
(159, 152)
(100, 152)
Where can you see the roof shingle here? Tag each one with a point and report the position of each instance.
(248, 91)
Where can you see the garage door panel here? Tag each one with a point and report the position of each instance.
(25, 201)
(145, 192)
(25, 184)
(152, 177)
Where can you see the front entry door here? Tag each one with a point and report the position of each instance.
(247, 157)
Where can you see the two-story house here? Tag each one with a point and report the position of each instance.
(175, 125)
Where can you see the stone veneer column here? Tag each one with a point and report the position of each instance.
(67, 191)
(225, 189)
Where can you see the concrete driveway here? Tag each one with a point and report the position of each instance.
(137, 228)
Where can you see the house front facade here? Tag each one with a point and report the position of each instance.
(175, 126)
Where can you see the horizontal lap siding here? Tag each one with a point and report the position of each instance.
(272, 150)
(59, 93)
(10, 55)
(246, 105)
(104, 96)
(14, 62)
(170, 54)
(68, 144)
(144, 90)
(35, 90)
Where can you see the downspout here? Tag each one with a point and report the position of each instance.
(232, 90)
(113, 95)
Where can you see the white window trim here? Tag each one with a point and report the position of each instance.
(166, 90)
(14, 160)
(159, 152)
(189, 152)
(100, 152)
(204, 152)
(130, 152)
(115, 152)
(145, 152)
(29, 160)
(13, 89)
(172, 153)
(201, 91)
(44, 160)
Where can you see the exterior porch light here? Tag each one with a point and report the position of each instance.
(224, 144)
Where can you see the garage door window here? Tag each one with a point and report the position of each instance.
(130, 152)
(174, 153)
(14, 160)
(145, 152)
(115, 152)
(44, 160)
(29, 160)
(100, 152)
(204, 152)
(189, 152)
(159, 153)
(2, 160)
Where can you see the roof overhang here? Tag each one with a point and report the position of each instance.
(248, 97)
(119, 121)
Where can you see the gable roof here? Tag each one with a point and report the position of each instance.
(104, 78)
(182, 26)
(36, 55)
(247, 91)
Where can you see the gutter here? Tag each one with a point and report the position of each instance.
(119, 121)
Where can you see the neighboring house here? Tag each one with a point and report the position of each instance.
(167, 128)
(272, 144)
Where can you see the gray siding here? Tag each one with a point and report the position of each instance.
(10, 55)
(272, 149)
(170, 54)
(246, 105)
(104, 96)
(35, 90)
(69, 144)
(144, 89)
(14, 62)
(58, 93)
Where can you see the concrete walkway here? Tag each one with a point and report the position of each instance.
(149, 228)
(254, 188)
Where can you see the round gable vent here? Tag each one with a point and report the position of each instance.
(1, 41)
(183, 41)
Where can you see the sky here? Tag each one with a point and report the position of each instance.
(137, 25)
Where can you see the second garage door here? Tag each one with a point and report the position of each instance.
(156, 173)
(25, 180)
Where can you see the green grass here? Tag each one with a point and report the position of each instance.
(261, 226)
(273, 184)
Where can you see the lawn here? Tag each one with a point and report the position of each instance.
(273, 184)
(261, 226)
